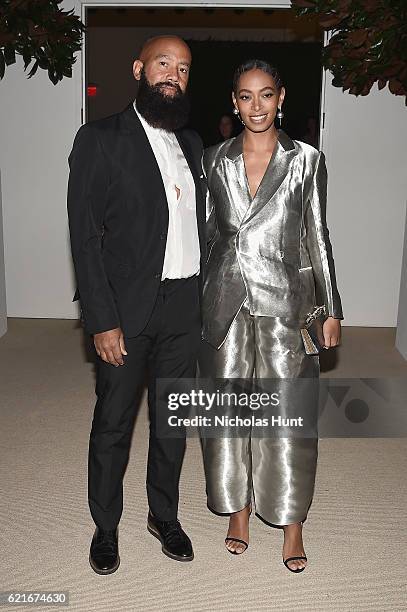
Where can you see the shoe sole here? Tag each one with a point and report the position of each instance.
(104, 572)
(155, 533)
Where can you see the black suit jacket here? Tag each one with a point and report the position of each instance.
(118, 220)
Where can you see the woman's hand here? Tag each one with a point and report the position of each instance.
(332, 332)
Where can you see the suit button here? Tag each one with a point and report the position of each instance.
(163, 236)
(157, 275)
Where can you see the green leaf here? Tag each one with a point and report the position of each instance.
(33, 70)
(9, 55)
(27, 57)
(2, 64)
(53, 77)
(43, 63)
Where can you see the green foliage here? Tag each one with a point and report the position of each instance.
(42, 33)
(368, 42)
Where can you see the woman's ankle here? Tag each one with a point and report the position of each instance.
(293, 527)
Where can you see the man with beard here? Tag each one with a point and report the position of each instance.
(136, 218)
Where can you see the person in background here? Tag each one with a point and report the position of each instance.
(226, 127)
(311, 132)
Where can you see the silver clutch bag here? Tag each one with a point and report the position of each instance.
(311, 334)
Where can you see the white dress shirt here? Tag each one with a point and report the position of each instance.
(182, 252)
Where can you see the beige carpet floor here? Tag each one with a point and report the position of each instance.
(355, 536)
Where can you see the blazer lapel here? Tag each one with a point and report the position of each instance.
(277, 169)
(144, 161)
(185, 148)
(237, 180)
(197, 174)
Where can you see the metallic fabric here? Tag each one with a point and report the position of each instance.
(270, 264)
(279, 472)
(273, 249)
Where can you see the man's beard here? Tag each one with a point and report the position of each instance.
(159, 110)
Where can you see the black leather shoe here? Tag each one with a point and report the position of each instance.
(175, 542)
(104, 551)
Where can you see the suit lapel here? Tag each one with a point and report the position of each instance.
(144, 162)
(186, 149)
(276, 171)
(196, 174)
(235, 169)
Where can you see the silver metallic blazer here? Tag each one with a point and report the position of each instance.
(273, 250)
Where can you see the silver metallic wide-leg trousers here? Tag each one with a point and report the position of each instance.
(278, 472)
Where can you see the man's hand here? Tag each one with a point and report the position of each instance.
(110, 346)
(332, 332)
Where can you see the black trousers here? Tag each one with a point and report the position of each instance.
(167, 348)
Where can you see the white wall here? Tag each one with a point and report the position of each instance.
(3, 305)
(37, 124)
(365, 146)
(401, 337)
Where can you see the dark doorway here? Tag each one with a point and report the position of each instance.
(220, 39)
(211, 82)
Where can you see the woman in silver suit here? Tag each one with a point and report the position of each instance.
(270, 264)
